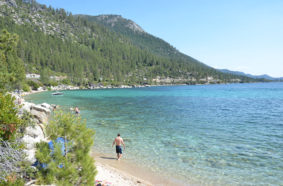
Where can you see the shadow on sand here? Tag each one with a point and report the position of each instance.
(108, 158)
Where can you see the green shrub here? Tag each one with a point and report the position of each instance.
(74, 166)
(53, 83)
(12, 180)
(115, 83)
(33, 84)
(66, 82)
(26, 88)
(39, 84)
(9, 121)
(26, 121)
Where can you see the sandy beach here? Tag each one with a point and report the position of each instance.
(108, 175)
(127, 173)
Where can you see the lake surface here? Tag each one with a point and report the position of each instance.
(206, 135)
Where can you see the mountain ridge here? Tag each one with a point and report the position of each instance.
(263, 76)
(142, 38)
(122, 27)
(88, 49)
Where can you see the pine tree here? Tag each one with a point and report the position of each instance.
(45, 76)
(11, 67)
(73, 165)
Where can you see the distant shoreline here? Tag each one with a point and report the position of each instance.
(59, 88)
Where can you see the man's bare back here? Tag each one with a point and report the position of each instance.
(119, 141)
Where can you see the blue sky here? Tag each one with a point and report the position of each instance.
(244, 35)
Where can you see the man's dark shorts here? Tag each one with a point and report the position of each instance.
(118, 149)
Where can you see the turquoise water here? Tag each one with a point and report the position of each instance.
(206, 135)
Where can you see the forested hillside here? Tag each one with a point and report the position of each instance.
(87, 51)
(137, 35)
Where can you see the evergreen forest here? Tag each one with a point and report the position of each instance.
(82, 48)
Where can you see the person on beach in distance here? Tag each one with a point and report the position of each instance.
(19, 100)
(118, 141)
(77, 111)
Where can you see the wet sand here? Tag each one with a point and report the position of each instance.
(125, 172)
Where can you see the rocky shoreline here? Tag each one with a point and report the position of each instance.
(40, 114)
(36, 133)
(70, 87)
(94, 87)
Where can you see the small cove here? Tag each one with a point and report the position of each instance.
(208, 134)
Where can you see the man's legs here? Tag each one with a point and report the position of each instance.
(119, 156)
(119, 152)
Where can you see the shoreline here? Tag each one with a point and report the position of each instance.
(123, 172)
(129, 171)
(108, 165)
(69, 87)
(107, 175)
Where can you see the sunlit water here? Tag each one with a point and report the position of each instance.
(207, 135)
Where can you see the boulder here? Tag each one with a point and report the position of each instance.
(40, 112)
(42, 117)
(39, 108)
(32, 136)
(27, 106)
(35, 120)
(35, 132)
(30, 155)
(30, 141)
(47, 106)
(42, 127)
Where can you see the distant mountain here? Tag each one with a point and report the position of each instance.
(138, 36)
(264, 76)
(134, 32)
(105, 48)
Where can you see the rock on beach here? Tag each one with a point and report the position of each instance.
(35, 134)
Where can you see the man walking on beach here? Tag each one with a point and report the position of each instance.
(118, 141)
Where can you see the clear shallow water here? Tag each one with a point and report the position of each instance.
(207, 135)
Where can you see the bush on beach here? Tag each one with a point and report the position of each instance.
(33, 84)
(9, 121)
(26, 88)
(73, 166)
(13, 168)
